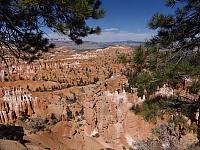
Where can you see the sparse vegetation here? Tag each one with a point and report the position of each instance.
(154, 108)
(69, 115)
(194, 88)
(23, 116)
(123, 58)
(37, 124)
(41, 124)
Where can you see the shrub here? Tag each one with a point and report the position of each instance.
(37, 124)
(195, 87)
(153, 108)
(123, 58)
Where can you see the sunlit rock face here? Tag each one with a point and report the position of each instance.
(165, 91)
(14, 102)
(108, 117)
(85, 94)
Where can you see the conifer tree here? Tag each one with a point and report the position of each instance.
(170, 55)
(179, 31)
(23, 23)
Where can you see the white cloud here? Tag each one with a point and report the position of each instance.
(111, 29)
(110, 36)
(119, 36)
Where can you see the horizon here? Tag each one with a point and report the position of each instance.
(68, 40)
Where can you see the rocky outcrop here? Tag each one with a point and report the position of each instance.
(14, 103)
(106, 122)
(108, 117)
(85, 91)
(165, 91)
(12, 145)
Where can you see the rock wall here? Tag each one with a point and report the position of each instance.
(86, 90)
(14, 103)
(108, 120)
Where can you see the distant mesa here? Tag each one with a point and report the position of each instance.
(90, 45)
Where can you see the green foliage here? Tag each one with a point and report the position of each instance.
(69, 115)
(155, 70)
(152, 87)
(140, 91)
(140, 80)
(151, 109)
(157, 107)
(178, 120)
(23, 116)
(37, 124)
(149, 75)
(139, 55)
(170, 55)
(123, 58)
(143, 78)
(195, 87)
(22, 23)
(179, 31)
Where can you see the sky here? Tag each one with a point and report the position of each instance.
(126, 20)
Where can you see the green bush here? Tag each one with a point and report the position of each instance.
(37, 124)
(195, 87)
(153, 108)
(123, 58)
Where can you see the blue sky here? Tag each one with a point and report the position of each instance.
(126, 20)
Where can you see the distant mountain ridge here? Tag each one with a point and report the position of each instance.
(88, 45)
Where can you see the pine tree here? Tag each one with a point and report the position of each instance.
(179, 31)
(23, 23)
(179, 35)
